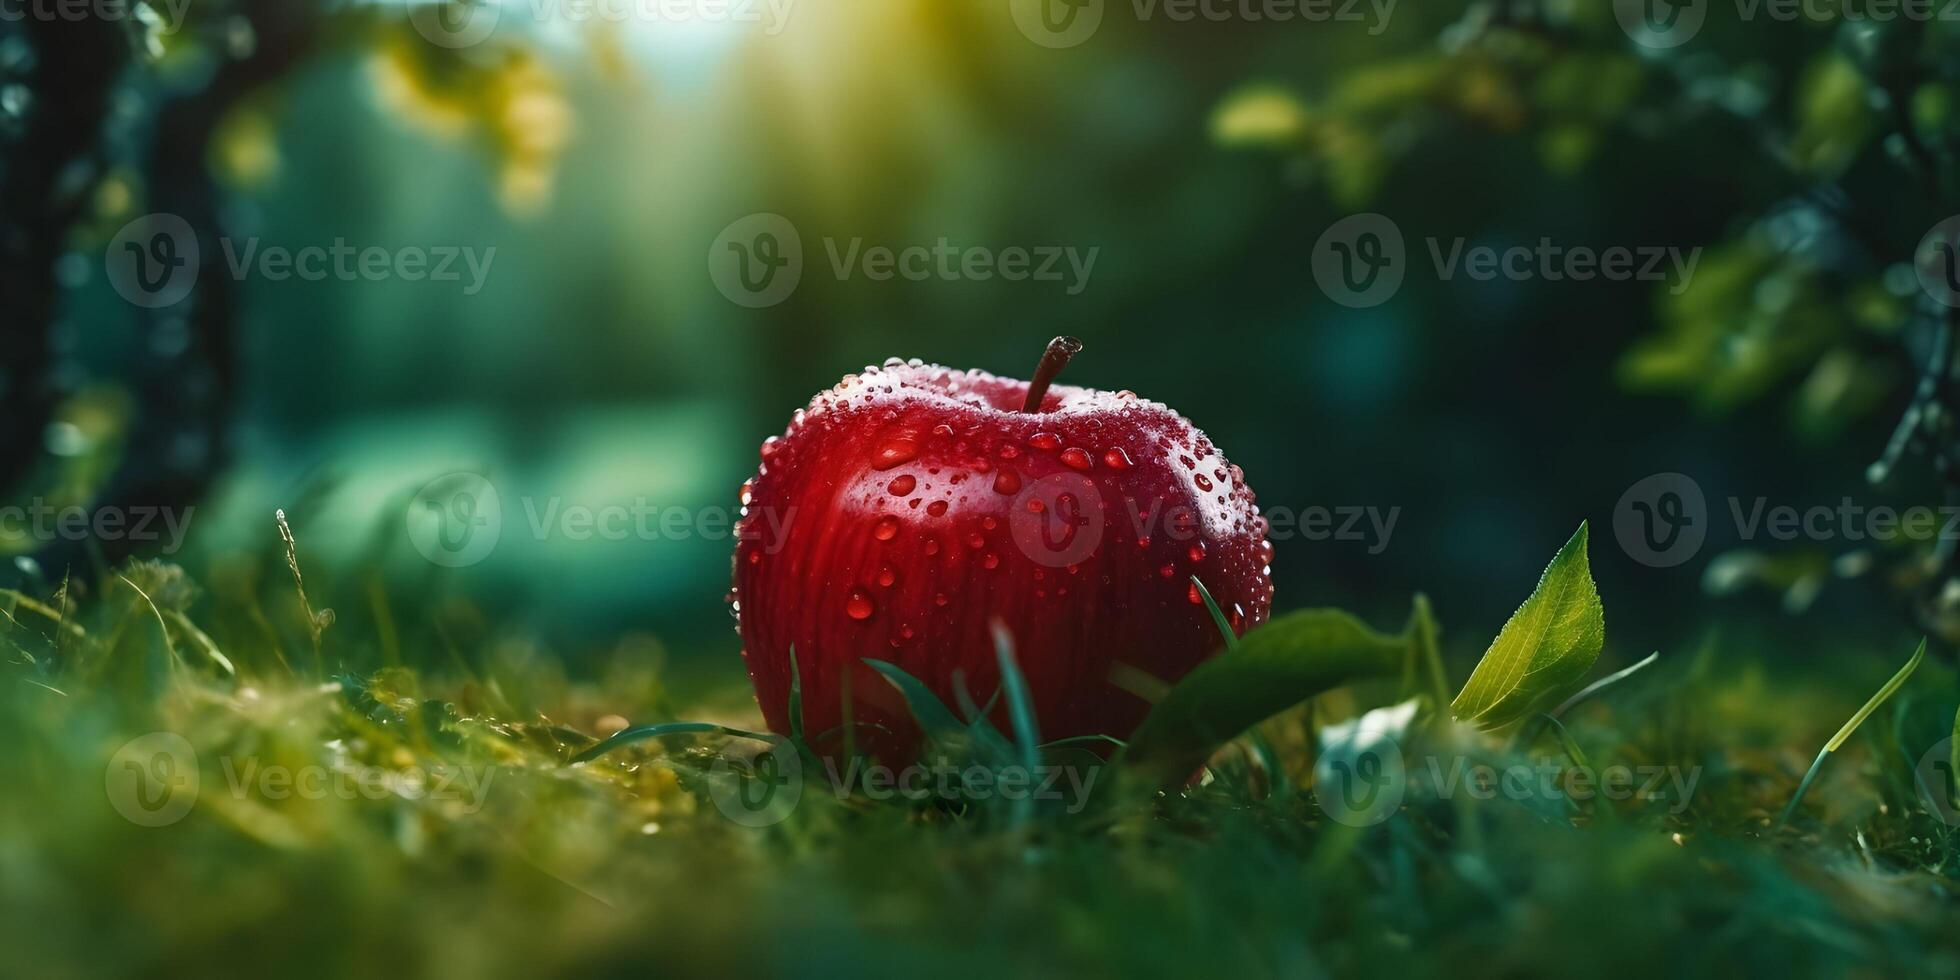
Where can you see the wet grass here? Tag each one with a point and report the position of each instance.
(447, 828)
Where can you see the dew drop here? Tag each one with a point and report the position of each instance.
(1192, 594)
(902, 485)
(1116, 459)
(895, 453)
(940, 599)
(755, 556)
(859, 606)
(937, 508)
(1007, 481)
(1143, 540)
(886, 529)
(1045, 441)
(1168, 570)
(1197, 552)
(1204, 482)
(990, 562)
(771, 446)
(1264, 552)
(886, 577)
(1077, 459)
(975, 541)
(932, 546)
(989, 523)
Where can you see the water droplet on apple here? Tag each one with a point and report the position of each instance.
(886, 577)
(902, 485)
(1007, 481)
(937, 508)
(771, 446)
(1076, 458)
(1264, 552)
(1168, 570)
(975, 541)
(1116, 459)
(895, 453)
(932, 546)
(1045, 441)
(1197, 552)
(1192, 594)
(886, 529)
(940, 599)
(990, 562)
(755, 556)
(859, 606)
(1204, 482)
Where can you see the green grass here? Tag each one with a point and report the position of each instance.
(624, 862)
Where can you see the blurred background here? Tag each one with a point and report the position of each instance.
(602, 153)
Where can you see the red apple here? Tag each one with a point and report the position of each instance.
(912, 505)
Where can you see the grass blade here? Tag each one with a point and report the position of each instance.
(641, 733)
(1858, 718)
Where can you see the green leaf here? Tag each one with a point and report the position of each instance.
(1549, 644)
(931, 713)
(1272, 668)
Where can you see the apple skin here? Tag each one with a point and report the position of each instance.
(912, 505)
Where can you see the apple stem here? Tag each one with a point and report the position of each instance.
(1053, 360)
